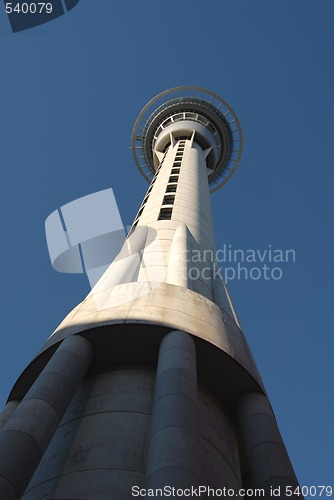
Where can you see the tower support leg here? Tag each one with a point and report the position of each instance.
(8, 411)
(27, 434)
(173, 455)
(268, 460)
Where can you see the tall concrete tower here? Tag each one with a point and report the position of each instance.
(149, 382)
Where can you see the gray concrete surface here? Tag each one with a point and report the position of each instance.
(8, 411)
(174, 449)
(268, 460)
(27, 433)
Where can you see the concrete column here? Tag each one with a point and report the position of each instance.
(174, 451)
(8, 411)
(268, 460)
(27, 434)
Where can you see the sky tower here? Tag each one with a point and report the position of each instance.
(149, 382)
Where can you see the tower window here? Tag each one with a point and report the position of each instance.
(173, 178)
(168, 200)
(175, 171)
(171, 188)
(165, 214)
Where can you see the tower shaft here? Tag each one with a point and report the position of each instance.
(176, 210)
(180, 192)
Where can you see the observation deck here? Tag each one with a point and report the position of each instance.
(185, 112)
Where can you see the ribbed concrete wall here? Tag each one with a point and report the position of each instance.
(27, 433)
(137, 426)
(267, 458)
(220, 465)
(100, 447)
(174, 445)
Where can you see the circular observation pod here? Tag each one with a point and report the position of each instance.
(179, 113)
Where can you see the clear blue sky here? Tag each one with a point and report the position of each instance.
(70, 93)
